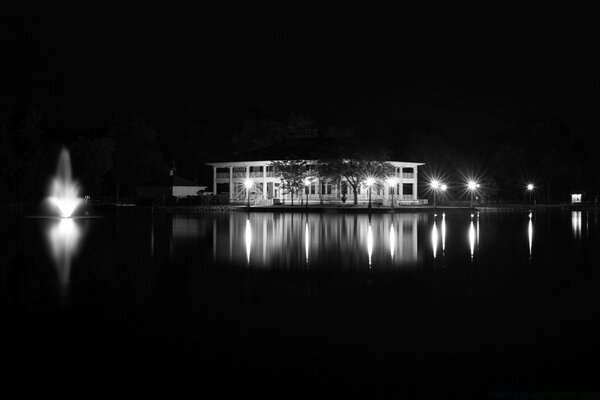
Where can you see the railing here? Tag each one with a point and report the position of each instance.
(221, 175)
(408, 175)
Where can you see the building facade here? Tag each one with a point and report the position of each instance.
(230, 178)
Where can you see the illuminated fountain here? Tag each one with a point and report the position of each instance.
(64, 191)
(64, 234)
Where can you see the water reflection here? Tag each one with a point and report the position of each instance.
(370, 241)
(530, 235)
(472, 237)
(63, 236)
(392, 240)
(248, 240)
(443, 233)
(284, 240)
(434, 237)
(576, 223)
(306, 238)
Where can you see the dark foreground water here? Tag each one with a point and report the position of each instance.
(290, 305)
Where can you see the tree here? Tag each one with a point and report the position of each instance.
(136, 159)
(293, 173)
(355, 171)
(92, 159)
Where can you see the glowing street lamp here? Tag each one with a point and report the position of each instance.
(306, 185)
(370, 182)
(472, 186)
(392, 182)
(248, 183)
(435, 186)
(530, 188)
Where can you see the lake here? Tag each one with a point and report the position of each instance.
(295, 305)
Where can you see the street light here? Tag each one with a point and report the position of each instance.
(248, 185)
(306, 185)
(435, 185)
(472, 186)
(392, 182)
(530, 188)
(370, 182)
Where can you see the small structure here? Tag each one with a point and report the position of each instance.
(170, 186)
(576, 196)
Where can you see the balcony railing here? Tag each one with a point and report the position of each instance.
(408, 175)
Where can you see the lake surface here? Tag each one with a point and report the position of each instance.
(294, 304)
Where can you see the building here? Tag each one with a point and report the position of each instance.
(170, 186)
(229, 177)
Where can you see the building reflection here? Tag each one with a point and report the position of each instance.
(434, 237)
(576, 223)
(63, 236)
(289, 240)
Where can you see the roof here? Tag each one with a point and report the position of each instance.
(313, 149)
(170, 181)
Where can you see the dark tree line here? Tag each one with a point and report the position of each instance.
(127, 150)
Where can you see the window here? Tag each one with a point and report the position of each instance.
(325, 188)
(407, 189)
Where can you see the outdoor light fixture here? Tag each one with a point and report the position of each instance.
(530, 188)
(248, 183)
(435, 186)
(307, 184)
(472, 186)
(370, 182)
(392, 182)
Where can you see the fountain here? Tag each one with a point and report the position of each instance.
(64, 234)
(64, 191)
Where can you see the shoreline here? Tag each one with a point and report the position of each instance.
(15, 208)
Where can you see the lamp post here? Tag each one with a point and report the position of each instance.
(370, 181)
(472, 186)
(248, 185)
(435, 185)
(530, 188)
(443, 187)
(392, 182)
(306, 185)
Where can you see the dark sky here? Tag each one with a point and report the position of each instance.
(464, 69)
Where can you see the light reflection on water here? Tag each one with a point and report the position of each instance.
(472, 237)
(370, 242)
(434, 238)
(287, 239)
(63, 236)
(576, 223)
(443, 233)
(530, 235)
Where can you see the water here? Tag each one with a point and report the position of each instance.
(295, 304)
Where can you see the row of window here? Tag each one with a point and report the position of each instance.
(259, 169)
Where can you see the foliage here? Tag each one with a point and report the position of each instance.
(293, 173)
(355, 171)
(92, 159)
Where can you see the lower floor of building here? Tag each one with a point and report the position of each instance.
(270, 192)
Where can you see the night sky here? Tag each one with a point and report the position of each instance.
(471, 71)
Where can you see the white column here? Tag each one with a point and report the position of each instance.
(415, 196)
(214, 180)
(230, 183)
(264, 181)
(247, 177)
